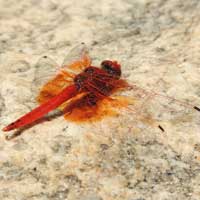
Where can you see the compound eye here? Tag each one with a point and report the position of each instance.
(106, 65)
(112, 67)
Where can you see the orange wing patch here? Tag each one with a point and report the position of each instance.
(79, 65)
(80, 112)
(54, 86)
(76, 61)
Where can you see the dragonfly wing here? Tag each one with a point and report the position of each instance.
(77, 59)
(49, 79)
(155, 109)
(45, 69)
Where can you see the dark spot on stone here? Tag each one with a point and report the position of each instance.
(34, 169)
(160, 49)
(94, 43)
(169, 173)
(137, 31)
(65, 128)
(104, 146)
(72, 180)
(61, 193)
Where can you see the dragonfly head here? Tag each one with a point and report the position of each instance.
(112, 67)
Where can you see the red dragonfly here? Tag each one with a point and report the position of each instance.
(79, 89)
(84, 90)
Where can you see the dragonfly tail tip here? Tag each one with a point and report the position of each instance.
(5, 129)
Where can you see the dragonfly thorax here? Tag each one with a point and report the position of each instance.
(95, 80)
(81, 80)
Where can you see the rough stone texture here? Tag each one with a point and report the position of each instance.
(119, 158)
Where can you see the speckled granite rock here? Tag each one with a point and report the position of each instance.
(109, 159)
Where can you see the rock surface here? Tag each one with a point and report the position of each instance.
(158, 44)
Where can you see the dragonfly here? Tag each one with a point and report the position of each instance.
(83, 92)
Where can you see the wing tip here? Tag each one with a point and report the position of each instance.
(196, 108)
(161, 128)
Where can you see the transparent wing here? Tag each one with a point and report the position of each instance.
(160, 110)
(78, 59)
(45, 70)
(50, 78)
